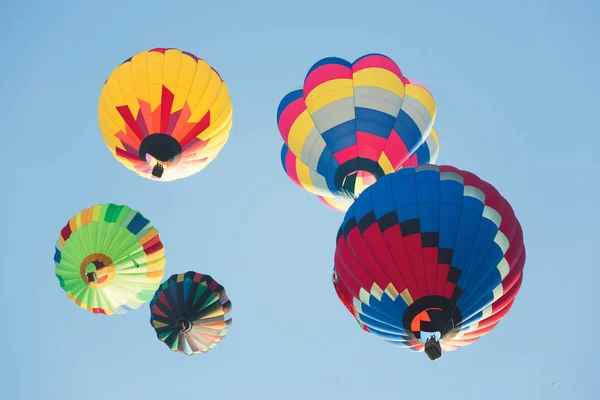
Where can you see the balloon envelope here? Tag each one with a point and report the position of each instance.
(165, 114)
(109, 259)
(429, 250)
(352, 123)
(190, 313)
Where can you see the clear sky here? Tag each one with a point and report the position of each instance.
(516, 86)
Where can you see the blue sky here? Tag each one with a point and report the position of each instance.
(516, 88)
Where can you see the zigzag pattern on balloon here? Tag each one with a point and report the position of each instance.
(167, 107)
(429, 249)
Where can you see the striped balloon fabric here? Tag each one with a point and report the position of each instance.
(190, 313)
(352, 123)
(109, 259)
(428, 251)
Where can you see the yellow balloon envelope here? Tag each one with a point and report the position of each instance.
(165, 114)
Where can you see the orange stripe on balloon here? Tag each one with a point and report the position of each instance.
(184, 116)
(197, 129)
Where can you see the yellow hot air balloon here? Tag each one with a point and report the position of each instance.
(165, 114)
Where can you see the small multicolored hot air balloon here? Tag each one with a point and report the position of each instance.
(429, 252)
(109, 259)
(190, 313)
(352, 123)
(165, 114)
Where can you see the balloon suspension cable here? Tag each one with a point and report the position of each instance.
(349, 193)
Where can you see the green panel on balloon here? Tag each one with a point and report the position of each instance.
(109, 259)
(190, 313)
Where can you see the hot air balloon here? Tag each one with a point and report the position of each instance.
(190, 313)
(352, 123)
(165, 114)
(109, 259)
(429, 253)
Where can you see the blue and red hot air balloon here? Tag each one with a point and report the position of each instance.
(429, 252)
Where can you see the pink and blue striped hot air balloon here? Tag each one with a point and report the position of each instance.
(352, 123)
